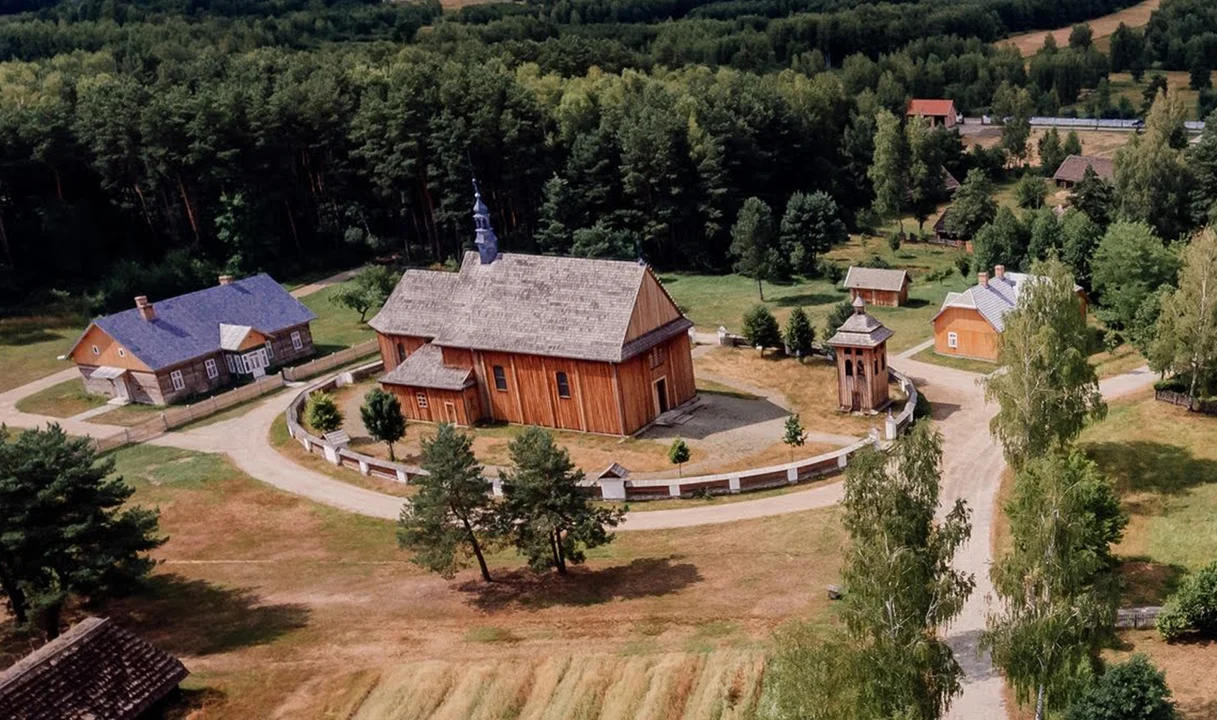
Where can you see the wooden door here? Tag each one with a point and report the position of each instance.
(450, 412)
(661, 395)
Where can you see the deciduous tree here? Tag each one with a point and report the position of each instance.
(1186, 337)
(368, 291)
(381, 415)
(322, 413)
(1046, 390)
(754, 244)
(1130, 690)
(793, 434)
(888, 171)
(974, 205)
(811, 226)
(1130, 263)
(678, 455)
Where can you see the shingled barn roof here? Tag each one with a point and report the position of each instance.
(933, 108)
(567, 307)
(860, 278)
(96, 670)
(1073, 169)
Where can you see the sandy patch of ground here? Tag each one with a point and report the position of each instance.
(1103, 27)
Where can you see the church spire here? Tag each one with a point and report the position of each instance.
(487, 242)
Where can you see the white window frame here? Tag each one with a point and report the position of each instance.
(96, 350)
(179, 382)
(213, 372)
(421, 399)
(952, 340)
(297, 343)
(122, 353)
(270, 351)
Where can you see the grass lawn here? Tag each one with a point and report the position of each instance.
(714, 300)
(929, 355)
(64, 400)
(336, 327)
(1122, 84)
(29, 347)
(1164, 463)
(129, 415)
(282, 608)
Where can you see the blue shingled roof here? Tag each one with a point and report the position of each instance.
(188, 326)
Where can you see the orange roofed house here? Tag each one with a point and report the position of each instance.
(939, 112)
(969, 323)
(571, 343)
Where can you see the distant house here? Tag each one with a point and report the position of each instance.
(193, 343)
(949, 183)
(940, 112)
(970, 323)
(561, 342)
(1073, 169)
(888, 288)
(96, 670)
(943, 236)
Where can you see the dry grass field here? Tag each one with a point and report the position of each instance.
(284, 609)
(1103, 27)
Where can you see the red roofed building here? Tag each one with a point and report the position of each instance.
(940, 112)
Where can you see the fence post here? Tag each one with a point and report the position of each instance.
(674, 490)
(792, 475)
(733, 484)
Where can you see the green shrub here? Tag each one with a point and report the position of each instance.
(322, 413)
(963, 263)
(831, 271)
(1173, 384)
(1131, 690)
(893, 241)
(761, 328)
(874, 261)
(1193, 608)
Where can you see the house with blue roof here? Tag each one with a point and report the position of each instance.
(194, 343)
(970, 323)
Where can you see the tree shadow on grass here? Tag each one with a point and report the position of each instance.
(1140, 466)
(195, 617)
(1147, 582)
(809, 298)
(523, 588)
(25, 335)
(913, 303)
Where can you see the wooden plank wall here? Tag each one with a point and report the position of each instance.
(388, 347)
(636, 380)
(108, 349)
(977, 338)
(652, 309)
(532, 396)
(463, 411)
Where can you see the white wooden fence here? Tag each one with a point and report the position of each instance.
(329, 362)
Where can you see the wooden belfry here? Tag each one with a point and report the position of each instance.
(861, 348)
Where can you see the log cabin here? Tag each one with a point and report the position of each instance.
(1074, 168)
(970, 323)
(877, 286)
(578, 344)
(194, 343)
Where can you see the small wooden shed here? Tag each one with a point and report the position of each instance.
(877, 286)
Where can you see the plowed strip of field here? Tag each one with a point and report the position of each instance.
(1103, 27)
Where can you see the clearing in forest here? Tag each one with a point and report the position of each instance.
(1103, 27)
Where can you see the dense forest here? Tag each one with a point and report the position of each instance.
(146, 145)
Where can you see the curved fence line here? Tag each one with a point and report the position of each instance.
(610, 488)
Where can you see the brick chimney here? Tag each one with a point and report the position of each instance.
(999, 271)
(226, 279)
(146, 311)
(982, 278)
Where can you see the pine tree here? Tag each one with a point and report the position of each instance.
(549, 517)
(799, 334)
(67, 528)
(678, 455)
(1073, 144)
(452, 514)
(837, 317)
(381, 415)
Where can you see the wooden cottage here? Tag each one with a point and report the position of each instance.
(877, 286)
(941, 113)
(95, 670)
(571, 343)
(1073, 169)
(943, 236)
(969, 323)
(193, 343)
(861, 348)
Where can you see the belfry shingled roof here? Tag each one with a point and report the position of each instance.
(568, 307)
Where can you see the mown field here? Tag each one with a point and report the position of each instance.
(282, 608)
(30, 346)
(1103, 27)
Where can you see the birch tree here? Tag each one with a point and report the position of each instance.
(900, 591)
(1186, 339)
(1045, 387)
(888, 172)
(1056, 583)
